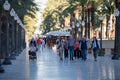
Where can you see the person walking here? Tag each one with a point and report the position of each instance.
(71, 43)
(32, 41)
(66, 48)
(76, 49)
(42, 45)
(95, 47)
(61, 49)
(83, 47)
(39, 42)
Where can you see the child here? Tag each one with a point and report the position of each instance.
(32, 51)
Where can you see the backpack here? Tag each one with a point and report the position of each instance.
(39, 41)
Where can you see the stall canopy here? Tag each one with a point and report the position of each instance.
(58, 33)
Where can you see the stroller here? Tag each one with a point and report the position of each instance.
(32, 55)
(32, 52)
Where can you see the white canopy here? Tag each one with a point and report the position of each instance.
(58, 33)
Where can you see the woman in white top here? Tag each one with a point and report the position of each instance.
(61, 49)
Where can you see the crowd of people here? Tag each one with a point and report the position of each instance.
(68, 47)
(38, 43)
(75, 49)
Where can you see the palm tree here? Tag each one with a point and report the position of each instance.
(29, 7)
(84, 14)
(53, 14)
(108, 8)
(73, 5)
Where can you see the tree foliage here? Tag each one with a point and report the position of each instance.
(26, 10)
(63, 8)
(55, 11)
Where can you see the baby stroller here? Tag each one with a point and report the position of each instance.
(32, 55)
(32, 52)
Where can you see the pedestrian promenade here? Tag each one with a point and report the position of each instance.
(49, 67)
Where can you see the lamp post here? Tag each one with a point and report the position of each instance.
(22, 27)
(22, 37)
(12, 13)
(101, 51)
(16, 38)
(79, 31)
(1, 68)
(7, 61)
(73, 29)
(24, 32)
(23, 41)
(77, 27)
(83, 24)
(116, 48)
(18, 35)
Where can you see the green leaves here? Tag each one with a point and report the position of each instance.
(24, 7)
(26, 10)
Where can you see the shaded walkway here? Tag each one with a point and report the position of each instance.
(48, 67)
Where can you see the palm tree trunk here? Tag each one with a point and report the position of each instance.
(88, 23)
(92, 18)
(107, 21)
(82, 20)
(86, 26)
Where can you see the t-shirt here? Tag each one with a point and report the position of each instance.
(39, 41)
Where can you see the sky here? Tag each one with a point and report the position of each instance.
(42, 6)
(43, 2)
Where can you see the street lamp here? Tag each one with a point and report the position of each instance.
(115, 54)
(83, 24)
(12, 13)
(1, 68)
(16, 38)
(6, 6)
(77, 27)
(72, 25)
(101, 51)
(18, 35)
(24, 37)
(77, 24)
(21, 47)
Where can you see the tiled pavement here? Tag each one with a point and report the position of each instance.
(49, 67)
